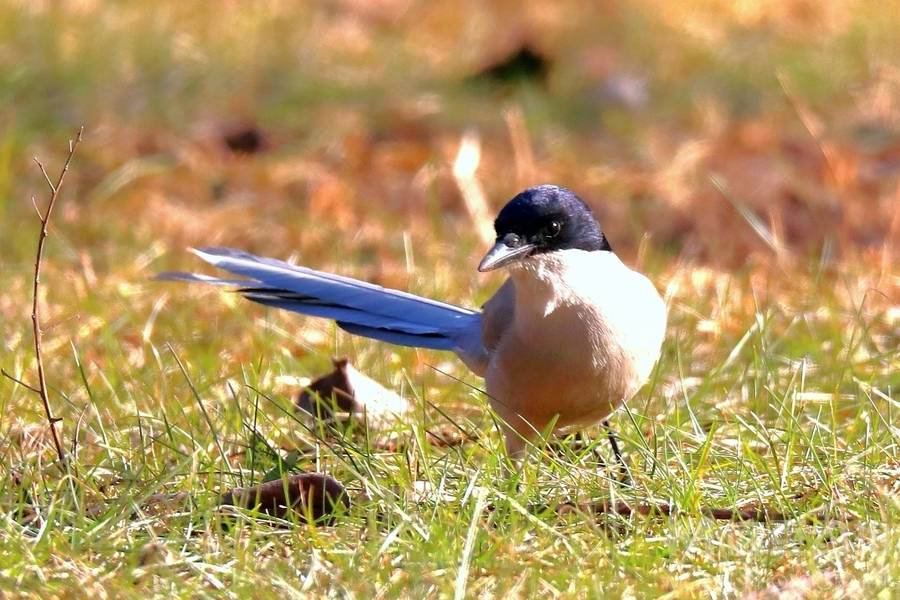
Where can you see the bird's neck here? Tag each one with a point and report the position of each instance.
(542, 280)
(541, 273)
(545, 281)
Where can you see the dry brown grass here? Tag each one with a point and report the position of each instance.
(745, 155)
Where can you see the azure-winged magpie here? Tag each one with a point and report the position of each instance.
(570, 336)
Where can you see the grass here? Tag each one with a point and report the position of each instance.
(764, 127)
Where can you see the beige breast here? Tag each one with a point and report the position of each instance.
(572, 340)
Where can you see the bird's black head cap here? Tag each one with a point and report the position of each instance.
(544, 218)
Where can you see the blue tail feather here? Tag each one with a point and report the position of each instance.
(358, 307)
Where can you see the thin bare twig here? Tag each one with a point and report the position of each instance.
(36, 209)
(36, 306)
(53, 188)
(19, 381)
(758, 514)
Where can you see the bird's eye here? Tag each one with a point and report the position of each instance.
(553, 229)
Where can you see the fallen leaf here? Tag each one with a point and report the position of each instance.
(314, 497)
(245, 139)
(346, 394)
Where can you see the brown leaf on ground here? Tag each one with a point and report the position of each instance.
(345, 393)
(245, 139)
(311, 497)
(745, 513)
(524, 63)
(329, 393)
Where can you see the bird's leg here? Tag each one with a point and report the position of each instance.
(623, 468)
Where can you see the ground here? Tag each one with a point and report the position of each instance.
(743, 155)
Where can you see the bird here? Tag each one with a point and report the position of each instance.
(570, 336)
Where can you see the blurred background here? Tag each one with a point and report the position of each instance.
(377, 138)
(205, 115)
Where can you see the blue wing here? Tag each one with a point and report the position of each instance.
(358, 307)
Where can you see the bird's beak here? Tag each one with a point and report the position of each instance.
(501, 255)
